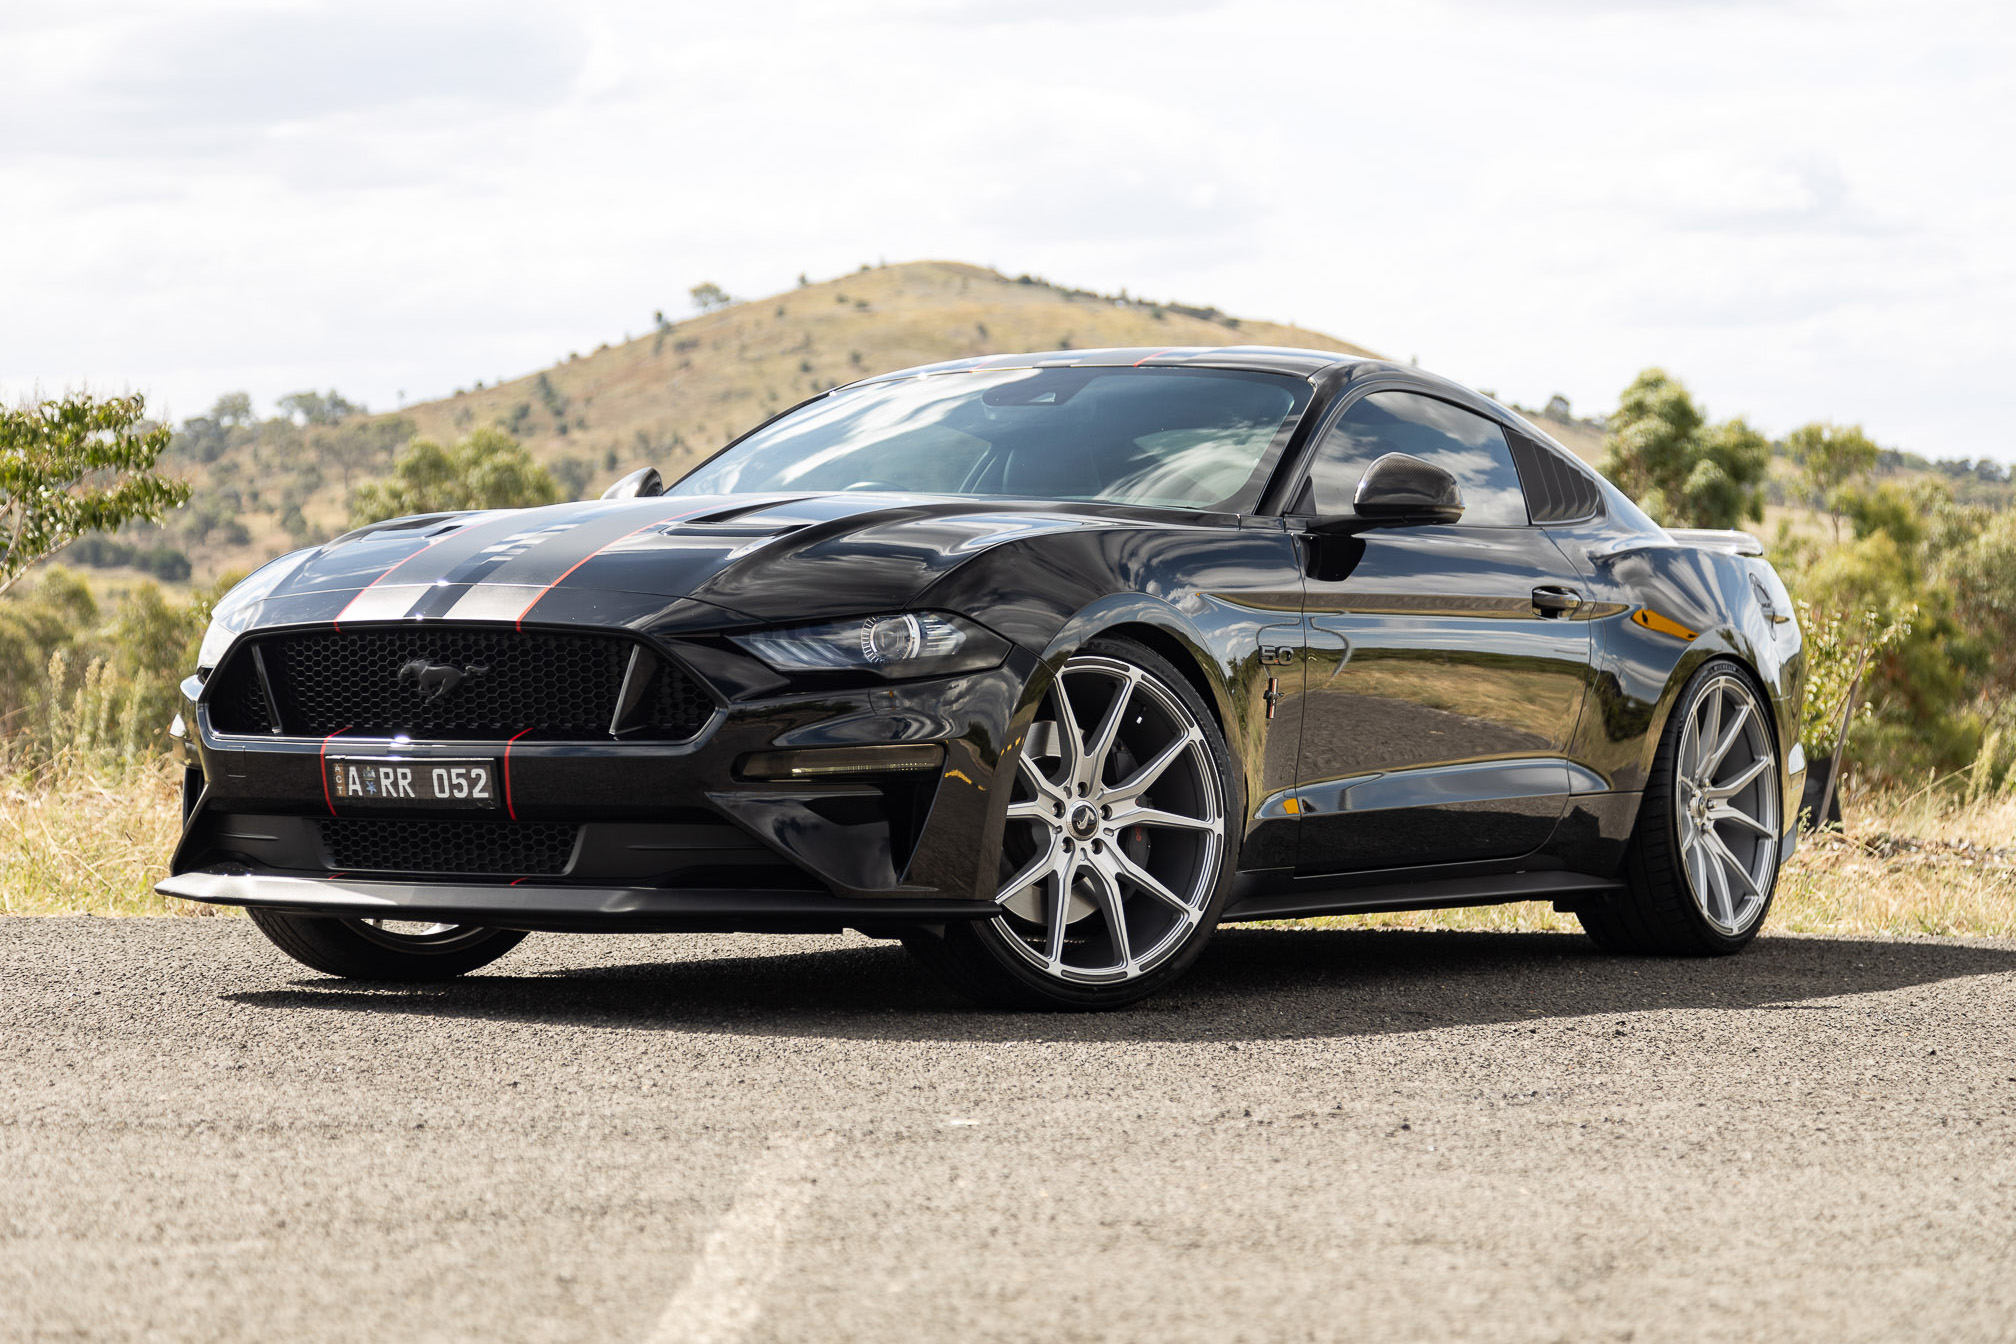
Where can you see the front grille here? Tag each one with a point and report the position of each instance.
(538, 684)
(448, 848)
(237, 703)
(677, 703)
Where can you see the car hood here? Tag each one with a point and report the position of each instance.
(666, 563)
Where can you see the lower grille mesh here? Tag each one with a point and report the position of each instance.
(448, 848)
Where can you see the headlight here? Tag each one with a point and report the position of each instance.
(216, 638)
(238, 608)
(906, 644)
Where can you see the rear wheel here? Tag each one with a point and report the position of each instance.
(384, 949)
(1118, 851)
(1703, 862)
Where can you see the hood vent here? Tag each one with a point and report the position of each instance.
(742, 510)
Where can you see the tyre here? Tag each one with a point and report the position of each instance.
(1120, 844)
(384, 949)
(1703, 862)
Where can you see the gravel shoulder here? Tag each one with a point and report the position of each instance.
(1321, 1134)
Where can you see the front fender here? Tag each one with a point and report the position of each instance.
(1220, 655)
(1200, 595)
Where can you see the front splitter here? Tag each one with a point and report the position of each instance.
(569, 909)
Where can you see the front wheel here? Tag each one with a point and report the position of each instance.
(1119, 847)
(1703, 861)
(384, 949)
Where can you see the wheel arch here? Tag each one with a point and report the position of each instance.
(1183, 657)
(1715, 647)
(1158, 626)
(1678, 607)
(1164, 630)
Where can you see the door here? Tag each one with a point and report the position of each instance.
(1446, 664)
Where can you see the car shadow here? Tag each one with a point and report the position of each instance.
(1250, 984)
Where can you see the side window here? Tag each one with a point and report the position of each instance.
(1468, 447)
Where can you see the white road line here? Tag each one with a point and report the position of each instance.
(723, 1296)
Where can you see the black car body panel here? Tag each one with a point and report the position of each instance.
(1412, 725)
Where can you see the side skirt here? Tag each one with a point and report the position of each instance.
(1565, 889)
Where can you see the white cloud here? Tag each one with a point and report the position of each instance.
(1800, 208)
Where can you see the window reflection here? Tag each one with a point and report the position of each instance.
(1468, 447)
(1184, 437)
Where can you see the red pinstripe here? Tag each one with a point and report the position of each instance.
(337, 624)
(323, 756)
(541, 594)
(509, 810)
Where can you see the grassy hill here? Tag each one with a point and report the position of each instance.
(671, 397)
(668, 398)
(678, 393)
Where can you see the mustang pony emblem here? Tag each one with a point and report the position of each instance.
(434, 680)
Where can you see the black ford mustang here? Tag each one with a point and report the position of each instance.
(1044, 664)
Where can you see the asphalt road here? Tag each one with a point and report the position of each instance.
(1338, 1135)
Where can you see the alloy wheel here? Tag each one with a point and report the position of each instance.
(1727, 805)
(1115, 827)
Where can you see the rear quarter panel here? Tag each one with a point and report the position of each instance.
(1643, 662)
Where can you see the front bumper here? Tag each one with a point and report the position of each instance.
(668, 835)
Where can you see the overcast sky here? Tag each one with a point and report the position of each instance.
(1803, 210)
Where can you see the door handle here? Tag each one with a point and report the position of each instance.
(1554, 601)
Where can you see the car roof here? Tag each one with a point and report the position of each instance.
(1291, 360)
(1258, 358)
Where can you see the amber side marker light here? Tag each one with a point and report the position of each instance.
(823, 762)
(1665, 625)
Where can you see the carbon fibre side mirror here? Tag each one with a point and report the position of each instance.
(1400, 490)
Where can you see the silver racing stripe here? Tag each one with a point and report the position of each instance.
(499, 571)
(384, 602)
(495, 601)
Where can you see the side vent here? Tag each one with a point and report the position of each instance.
(241, 702)
(1557, 490)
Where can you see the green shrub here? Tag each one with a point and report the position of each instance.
(486, 469)
(76, 684)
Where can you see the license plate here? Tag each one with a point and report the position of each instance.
(432, 783)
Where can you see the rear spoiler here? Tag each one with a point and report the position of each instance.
(1717, 539)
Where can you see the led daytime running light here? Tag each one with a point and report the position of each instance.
(899, 644)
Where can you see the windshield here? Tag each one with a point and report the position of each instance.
(1191, 438)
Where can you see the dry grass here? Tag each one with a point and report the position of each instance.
(79, 839)
(84, 839)
(1919, 865)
